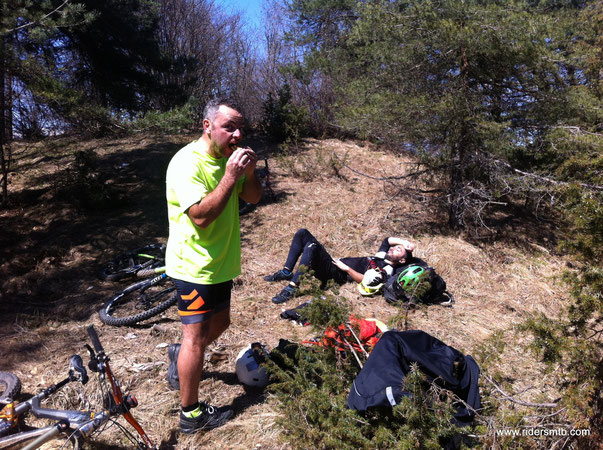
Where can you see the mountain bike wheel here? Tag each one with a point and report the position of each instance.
(138, 262)
(139, 302)
(10, 386)
(150, 272)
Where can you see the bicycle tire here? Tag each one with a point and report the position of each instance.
(129, 264)
(120, 310)
(148, 273)
(10, 387)
(245, 207)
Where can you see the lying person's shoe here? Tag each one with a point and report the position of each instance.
(172, 375)
(285, 295)
(279, 276)
(209, 418)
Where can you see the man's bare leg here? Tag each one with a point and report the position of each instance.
(195, 339)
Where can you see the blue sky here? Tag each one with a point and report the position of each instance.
(251, 10)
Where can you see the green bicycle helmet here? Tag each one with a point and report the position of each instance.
(409, 278)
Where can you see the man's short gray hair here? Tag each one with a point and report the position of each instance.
(214, 104)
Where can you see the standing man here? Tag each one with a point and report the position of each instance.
(204, 180)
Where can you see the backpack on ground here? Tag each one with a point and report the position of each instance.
(417, 284)
(368, 332)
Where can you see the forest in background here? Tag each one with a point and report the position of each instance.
(499, 102)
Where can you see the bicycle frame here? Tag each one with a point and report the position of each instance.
(81, 423)
(139, 263)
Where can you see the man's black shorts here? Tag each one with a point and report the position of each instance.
(199, 302)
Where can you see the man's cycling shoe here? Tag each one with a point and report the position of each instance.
(172, 375)
(285, 295)
(279, 276)
(209, 418)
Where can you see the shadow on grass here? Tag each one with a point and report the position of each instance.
(512, 225)
(252, 396)
(51, 247)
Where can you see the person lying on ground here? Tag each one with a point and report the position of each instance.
(393, 253)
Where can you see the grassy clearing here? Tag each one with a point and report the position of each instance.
(51, 251)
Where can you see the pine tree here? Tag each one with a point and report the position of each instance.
(464, 84)
(575, 148)
(283, 120)
(77, 65)
(25, 25)
(116, 54)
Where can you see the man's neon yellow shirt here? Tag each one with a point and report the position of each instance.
(209, 255)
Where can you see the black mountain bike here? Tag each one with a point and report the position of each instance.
(75, 426)
(143, 262)
(263, 175)
(143, 299)
(139, 301)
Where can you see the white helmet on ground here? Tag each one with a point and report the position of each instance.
(373, 277)
(249, 371)
(372, 282)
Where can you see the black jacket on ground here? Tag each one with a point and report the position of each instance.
(380, 382)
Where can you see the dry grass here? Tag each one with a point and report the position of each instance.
(496, 286)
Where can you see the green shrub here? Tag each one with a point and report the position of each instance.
(175, 120)
(311, 386)
(283, 120)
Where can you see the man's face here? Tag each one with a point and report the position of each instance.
(225, 131)
(396, 254)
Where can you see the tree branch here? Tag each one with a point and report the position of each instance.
(357, 340)
(397, 177)
(34, 22)
(353, 351)
(543, 178)
(519, 402)
(578, 130)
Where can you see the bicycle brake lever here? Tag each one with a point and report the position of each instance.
(77, 365)
(93, 363)
(90, 351)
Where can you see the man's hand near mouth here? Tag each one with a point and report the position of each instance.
(253, 159)
(245, 159)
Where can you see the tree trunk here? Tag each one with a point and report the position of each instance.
(8, 101)
(456, 204)
(456, 200)
(3, 163)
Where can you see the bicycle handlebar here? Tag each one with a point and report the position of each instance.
(85, 422)
(94, 338)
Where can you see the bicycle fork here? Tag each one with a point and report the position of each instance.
(118, 402)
